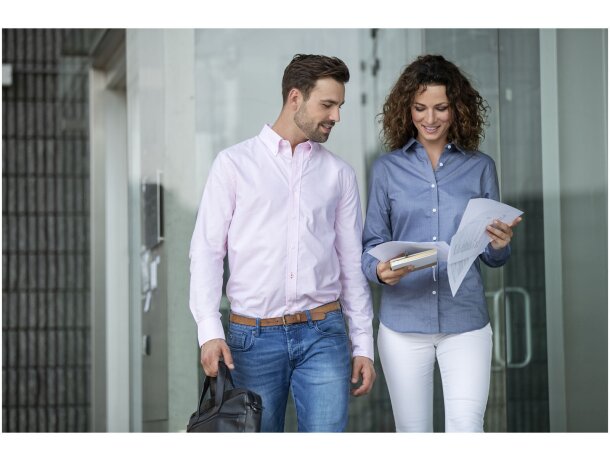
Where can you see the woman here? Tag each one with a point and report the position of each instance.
(432, 123)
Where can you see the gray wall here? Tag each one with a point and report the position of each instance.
(583, 151)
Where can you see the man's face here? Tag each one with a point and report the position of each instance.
(317, 115)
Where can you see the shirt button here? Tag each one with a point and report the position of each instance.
(440, 164)
(434, 238)
(432, 185)
(292, 276)
(433, 209)
(433, 292)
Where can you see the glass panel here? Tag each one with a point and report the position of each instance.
(504, 66)
(524, 276)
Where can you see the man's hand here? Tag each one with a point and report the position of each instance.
(363, 366)
(389, 276)
(211, 351)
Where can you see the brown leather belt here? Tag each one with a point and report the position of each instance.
(317, 314)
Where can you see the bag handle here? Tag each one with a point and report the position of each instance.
(216, 386)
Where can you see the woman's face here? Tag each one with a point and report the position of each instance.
(431, 114)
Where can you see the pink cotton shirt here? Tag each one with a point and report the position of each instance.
(292, 227)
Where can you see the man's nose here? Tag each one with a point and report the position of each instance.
(335, 115)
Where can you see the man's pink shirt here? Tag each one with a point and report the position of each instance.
(292, 226)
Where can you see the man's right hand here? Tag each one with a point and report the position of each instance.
(211, 351)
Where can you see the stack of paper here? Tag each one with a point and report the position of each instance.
(471, 238)
(469, 241)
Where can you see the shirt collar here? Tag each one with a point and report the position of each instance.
(273, 140)
(410, 146)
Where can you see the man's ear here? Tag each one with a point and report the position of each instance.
(294, 99)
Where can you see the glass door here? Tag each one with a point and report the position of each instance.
(505, 66)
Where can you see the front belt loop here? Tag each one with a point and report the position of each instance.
(257, 331)
(309, 321)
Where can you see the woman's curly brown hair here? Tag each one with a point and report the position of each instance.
(468, 108)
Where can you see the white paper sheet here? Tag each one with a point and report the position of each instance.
(470, 240)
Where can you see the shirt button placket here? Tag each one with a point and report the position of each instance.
(434, 236)
(434, 192)
(293, 228)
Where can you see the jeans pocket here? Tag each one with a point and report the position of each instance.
(239, 340)
(332, 325)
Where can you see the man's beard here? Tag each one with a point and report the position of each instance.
(309, 127)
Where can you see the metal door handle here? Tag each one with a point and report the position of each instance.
(498, 359)
(528, 328)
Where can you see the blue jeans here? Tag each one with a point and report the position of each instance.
(312, 359)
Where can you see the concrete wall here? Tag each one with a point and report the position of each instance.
(582, 69)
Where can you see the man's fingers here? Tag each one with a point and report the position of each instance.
(356, 369)
(366, 385)
(211, 352)
(363, 367)
(227, 357)
(211, 368)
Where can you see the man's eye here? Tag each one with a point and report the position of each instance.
(328, 106)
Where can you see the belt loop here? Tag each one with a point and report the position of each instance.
(257, 331)
(309, 321)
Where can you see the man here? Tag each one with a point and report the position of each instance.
(287, 211)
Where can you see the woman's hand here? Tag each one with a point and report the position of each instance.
(501, 233)
(388, 276)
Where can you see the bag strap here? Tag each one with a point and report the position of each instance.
(216, 386)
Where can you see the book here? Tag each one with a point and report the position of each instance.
(419, 260)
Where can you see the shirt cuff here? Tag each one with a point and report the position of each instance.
(208, 330)
(370, 269)
(362, 345)
(498, 254)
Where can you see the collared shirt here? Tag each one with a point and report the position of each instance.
(410, 201)
(292, 227)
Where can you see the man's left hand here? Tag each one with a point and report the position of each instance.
(363, 367)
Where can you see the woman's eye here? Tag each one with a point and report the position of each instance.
(442, 109)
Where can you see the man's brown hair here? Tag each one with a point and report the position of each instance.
(305, 69)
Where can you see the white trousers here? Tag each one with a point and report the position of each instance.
(408, 365)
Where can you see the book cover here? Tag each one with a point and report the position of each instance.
(419, 260)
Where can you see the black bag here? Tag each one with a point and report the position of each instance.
(229, 409)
